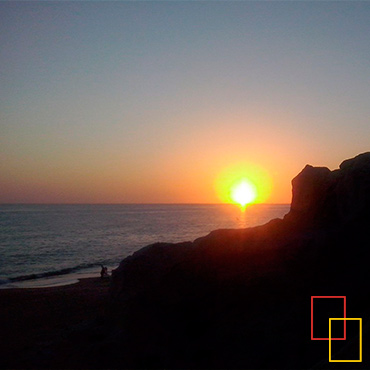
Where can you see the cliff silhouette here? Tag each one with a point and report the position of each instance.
(241, 298)
(234, 299)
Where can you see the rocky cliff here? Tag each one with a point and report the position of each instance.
(339, 197)
(241, 298)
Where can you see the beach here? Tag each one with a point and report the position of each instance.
(38, 325)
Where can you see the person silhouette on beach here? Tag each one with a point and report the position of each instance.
(103, 272)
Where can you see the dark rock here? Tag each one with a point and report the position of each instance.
(241, 298)
(353, 189)
(310, 192)
(321, 196)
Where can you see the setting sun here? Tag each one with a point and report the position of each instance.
(244, 193)
(243, 184)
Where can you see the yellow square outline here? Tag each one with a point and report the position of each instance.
(345, 318)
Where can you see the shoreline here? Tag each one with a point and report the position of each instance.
(33, 320)
(52, 281)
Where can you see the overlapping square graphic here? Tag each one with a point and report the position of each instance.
(344, 319)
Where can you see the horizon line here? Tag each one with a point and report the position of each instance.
(136, 203)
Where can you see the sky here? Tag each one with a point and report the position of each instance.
(151, 101)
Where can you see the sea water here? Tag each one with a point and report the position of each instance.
(50, 245)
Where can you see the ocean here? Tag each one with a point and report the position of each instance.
(51, 245)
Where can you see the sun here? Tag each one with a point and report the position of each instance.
(243, 184)
(243, 193)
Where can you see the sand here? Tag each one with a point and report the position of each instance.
(33, 320)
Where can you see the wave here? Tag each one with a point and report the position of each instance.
(47, 274)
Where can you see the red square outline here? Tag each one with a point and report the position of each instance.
(344, 316)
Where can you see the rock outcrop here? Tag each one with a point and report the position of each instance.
(321, 196)
(241, 298)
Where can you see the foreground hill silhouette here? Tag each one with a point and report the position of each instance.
(234, 299)
(241, 298)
